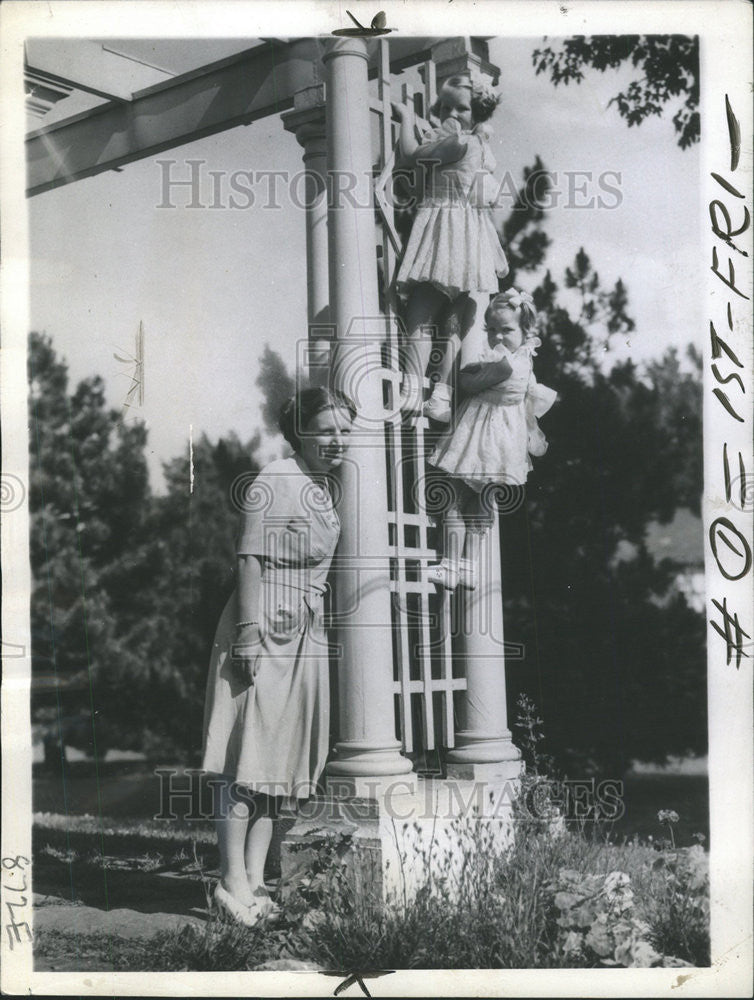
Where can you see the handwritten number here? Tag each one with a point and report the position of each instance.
(16, 888)
(16, 928)
(10, 862)
(24, 902)
(716, 530)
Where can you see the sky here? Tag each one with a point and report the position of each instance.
(212, 286)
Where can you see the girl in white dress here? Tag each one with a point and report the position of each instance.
(495, 431)
(454, 248)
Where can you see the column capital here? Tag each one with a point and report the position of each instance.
(307, 117)
(345, 46)
(454, 57)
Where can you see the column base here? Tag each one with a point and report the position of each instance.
(379, 788)
(501, 770)
(394, 841)
(369, 760)
(482, 758)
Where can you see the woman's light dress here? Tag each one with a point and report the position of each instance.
(496, 430)
(273, 736)
(453, 243)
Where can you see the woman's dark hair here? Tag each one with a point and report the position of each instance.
(301, 409)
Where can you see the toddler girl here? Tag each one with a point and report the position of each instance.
(495, 431)
(453, 248)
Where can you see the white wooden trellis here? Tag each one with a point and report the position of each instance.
(422, 644)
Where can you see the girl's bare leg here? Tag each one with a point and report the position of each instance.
(446, 572)
(478, 520)
(423, 313)
(458, 320)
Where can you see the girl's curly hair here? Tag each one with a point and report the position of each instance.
(484, 100)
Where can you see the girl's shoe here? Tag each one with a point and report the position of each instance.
(443, 574)
(467, 574)
(437, 406)
(231, 907)
(412, 393)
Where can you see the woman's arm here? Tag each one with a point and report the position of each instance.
(249, 579)
(483, 375)
(448, 149)
(248, 636)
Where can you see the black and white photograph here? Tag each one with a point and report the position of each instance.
(377, 498)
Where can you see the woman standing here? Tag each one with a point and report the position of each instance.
(266, 720)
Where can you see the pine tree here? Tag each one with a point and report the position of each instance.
(615, 663)
(89, 494)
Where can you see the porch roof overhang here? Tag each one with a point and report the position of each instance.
(237, 90)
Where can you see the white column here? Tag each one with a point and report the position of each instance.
(307, 122)
(484, 747)
(367, 746)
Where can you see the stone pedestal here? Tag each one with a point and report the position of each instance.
(405, 834)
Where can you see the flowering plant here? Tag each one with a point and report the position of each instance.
(597, 925)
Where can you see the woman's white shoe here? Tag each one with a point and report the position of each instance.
(233, 908)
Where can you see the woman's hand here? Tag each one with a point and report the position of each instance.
(246, 653)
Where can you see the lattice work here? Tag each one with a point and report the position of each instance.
(421, 616)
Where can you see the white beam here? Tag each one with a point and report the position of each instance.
(234, 91)
(88, 66)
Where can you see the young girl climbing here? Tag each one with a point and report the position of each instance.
(495, 432)
(453, 248)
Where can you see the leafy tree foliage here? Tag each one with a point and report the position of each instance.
(170, 594)
(669, 67)
(89, 493)
(615, 657)
(522, 236)
(127, 586)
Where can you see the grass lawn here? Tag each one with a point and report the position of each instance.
(549, 901)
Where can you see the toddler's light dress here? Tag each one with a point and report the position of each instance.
(453, 243)
(496, 430)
